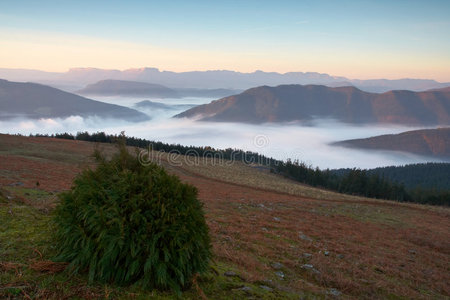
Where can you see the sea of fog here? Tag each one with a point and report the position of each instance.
(307, 143)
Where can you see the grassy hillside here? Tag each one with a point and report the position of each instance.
(272, 237)
(427, 142)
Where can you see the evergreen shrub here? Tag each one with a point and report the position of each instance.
(129, 223)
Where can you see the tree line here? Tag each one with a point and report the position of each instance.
(381, 183)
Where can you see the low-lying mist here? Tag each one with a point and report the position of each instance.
(309, 144)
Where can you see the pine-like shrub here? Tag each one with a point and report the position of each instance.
(128, 223)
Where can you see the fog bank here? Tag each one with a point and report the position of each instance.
(281, 141)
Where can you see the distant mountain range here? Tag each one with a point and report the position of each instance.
(77, 78)
(427, 142)
(287, 103)
(149, 90)
(35, 101)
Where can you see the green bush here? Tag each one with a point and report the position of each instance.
(128, 223)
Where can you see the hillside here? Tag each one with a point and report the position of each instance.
(428, 142)
(272, 238)
(287, 103)
(142, 89)
(36, 101)
(128, 88)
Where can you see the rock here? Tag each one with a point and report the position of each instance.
(245, 289)
(277, 219)
(265, 287)
(277, 266)
(307, 255)
(334, 292)
(304, 237)
(326, 253)
(311, 268)
(261, 205)
(230, 274)
(280, 274)
(340, 256)
(412, 251)
(264, 229)
(16, 184)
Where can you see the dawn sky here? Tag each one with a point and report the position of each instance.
(356, 39)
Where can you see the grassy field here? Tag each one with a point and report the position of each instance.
(272, 238)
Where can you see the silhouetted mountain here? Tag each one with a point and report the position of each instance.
(33, 100)
(287, 103)
(428, 142)
(446, 89)
(142, 89)
(128, 88)
(212, 79)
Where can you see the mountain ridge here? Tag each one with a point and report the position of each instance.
(286, 103)
(113, 87)
(33, 100)
(212, 79)
(427, 142)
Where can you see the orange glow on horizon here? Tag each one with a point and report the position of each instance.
(58, 53)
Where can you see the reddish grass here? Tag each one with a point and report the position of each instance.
(375, 248)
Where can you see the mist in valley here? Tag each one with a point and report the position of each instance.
(309, 143)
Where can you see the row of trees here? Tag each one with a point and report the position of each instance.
(229, 153)
(353, 182)
(364, 183)
(375, 183)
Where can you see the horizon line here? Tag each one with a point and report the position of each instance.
(219, 70)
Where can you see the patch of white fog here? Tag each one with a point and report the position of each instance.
(307, 143)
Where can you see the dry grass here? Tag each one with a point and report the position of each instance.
(363, 248)
(47, 266)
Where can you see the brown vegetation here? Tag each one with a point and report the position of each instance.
(363, 248)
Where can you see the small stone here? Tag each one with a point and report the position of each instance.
(246, 288)
(264, 229)
(311, 268)
(265, 287)
(412, 251)
(277, 266)
(304, 237)
(277, 219)
(326, 253)
(340, 256)
(230, 273)
(280, 274)
(261, 205)
(334, 292)
(307, 255)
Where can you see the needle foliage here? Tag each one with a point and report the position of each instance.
(130, 223)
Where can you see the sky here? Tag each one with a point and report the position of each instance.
(356, 39)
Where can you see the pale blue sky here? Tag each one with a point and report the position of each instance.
(365, 39)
